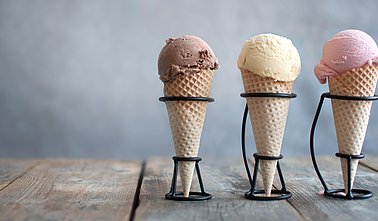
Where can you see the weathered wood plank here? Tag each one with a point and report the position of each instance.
(308, 200)
(225, 179)
(10, 170)
(370, 161)
(65, 189)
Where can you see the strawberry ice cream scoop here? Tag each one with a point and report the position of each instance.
(347, 50)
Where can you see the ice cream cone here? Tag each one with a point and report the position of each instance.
(268, 117)
(186, 118)
(351, 117)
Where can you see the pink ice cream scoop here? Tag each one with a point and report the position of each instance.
(347, 50)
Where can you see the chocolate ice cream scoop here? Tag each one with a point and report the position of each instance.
(185, 55)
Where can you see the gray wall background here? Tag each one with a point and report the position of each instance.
(79, 78)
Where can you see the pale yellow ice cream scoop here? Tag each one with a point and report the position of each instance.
(269, 55)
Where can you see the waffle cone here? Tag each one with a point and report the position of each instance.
(351, 117)
(268, 117)
(186, 119)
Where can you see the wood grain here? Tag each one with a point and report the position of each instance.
(225, 179)
(308, 200)
(74, 189)
(68, 189)
(10, 170)
(370, 161)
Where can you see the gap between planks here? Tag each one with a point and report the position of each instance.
(136, 201)
(369, 163)
(22, 174)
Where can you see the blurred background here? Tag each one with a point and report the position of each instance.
(79, 78)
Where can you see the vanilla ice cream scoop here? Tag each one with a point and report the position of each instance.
(270, 55)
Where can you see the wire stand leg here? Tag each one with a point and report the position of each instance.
(255, 172)
(283, 185)
(349, 195)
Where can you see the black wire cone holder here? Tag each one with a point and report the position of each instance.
(193, 196)
(339, 193)
(254, 194)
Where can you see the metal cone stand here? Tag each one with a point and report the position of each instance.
(254, 194)
(339, 193)
(193, 196)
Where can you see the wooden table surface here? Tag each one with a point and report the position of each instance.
(75, 189)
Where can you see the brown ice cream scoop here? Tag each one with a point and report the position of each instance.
(185, 55)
